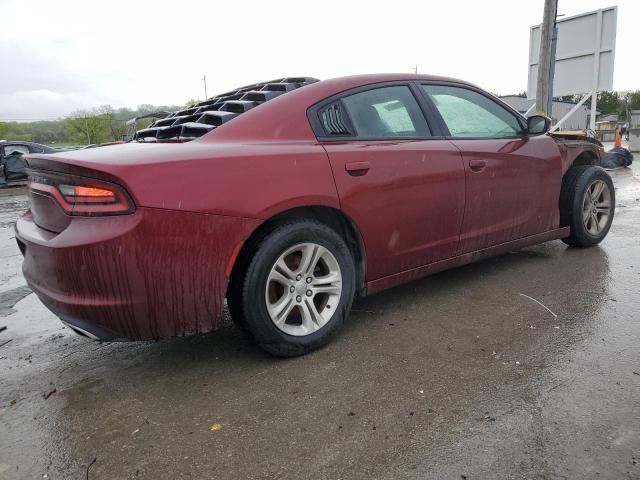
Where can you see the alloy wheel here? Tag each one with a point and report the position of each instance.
(303, 289)
(596, 207)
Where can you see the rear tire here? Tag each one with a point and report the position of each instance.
(587, 205)
(295, 291)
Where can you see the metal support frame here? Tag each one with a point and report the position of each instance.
(572, 111)
(596, 70)
(595, 80)
(526, 114)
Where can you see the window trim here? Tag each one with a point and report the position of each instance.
(316, 124)
(518, 116)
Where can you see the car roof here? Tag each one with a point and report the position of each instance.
(212, 114)
(285, 117)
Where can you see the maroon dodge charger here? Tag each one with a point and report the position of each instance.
(290, 197)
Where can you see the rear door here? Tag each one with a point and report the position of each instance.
(398, 180)
(513, 180)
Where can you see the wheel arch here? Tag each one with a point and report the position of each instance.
(575, 157)
(586, 157)
(332, 217)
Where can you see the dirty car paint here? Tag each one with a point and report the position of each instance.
(153, 274)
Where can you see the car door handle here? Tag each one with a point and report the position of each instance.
(357, 169)
(477, 165)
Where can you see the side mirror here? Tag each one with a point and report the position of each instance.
(538, 124)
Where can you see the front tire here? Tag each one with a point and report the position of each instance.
(587, 205)
(296, 291)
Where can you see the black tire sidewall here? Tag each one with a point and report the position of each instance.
(255, 314)
(579, 233)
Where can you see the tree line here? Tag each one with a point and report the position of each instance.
(107, 124)
(608, 103)
(615, 102)
(83, 127)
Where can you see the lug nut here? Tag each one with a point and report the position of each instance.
(309, 293)
(292, 289)
(298, 299)
(298, 277)
(309, 279)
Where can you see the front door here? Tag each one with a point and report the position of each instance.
(513, 180)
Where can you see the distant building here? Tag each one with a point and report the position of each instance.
(634, 130)
(606, 127)
(578, 121)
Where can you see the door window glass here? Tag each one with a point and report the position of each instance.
(470, 114)
(15, 150)
(386, 112)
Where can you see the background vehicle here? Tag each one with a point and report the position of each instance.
(12, 166)
(293, 201)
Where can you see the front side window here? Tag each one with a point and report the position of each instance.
(15, 150)
(34, 149)
(386, 112)
(469, 114)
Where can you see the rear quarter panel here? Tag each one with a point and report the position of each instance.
(241, 179)
(250, 180)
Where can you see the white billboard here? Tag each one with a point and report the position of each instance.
(585, 53)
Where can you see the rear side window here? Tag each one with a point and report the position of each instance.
(386, 112)
(469, 114)
(333, 121)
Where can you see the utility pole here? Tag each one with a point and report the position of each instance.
(552, 65)
(543, 88)
(204, 79)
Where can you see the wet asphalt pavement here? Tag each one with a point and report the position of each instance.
(460, 375)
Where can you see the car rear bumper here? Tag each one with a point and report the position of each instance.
(152, 274)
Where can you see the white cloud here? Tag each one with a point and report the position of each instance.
(126, 53)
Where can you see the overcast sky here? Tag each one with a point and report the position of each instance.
(63, 55)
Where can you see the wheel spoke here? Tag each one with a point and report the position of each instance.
(594, 224)
(596, 191)
(311, 319)
(284, 270)
(588, 200)
(331, 284)
(311, 253)
(276, 276)
(587, 222)
(333, 289)
(280, 310)
(332, 277)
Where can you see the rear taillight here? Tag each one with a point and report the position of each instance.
(82, 196)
